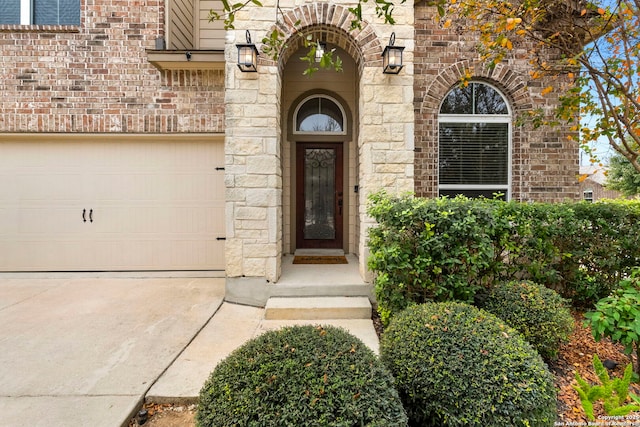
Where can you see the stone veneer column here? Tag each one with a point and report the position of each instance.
(253, 181)
(386, 132)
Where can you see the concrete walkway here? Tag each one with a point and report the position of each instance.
(87, 352)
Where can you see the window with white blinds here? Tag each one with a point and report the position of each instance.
(40, 12)
(474, 143)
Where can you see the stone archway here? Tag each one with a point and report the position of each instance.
(330, 23)
(511, 83)
(341, 89)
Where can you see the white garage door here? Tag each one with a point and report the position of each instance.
(101, 203)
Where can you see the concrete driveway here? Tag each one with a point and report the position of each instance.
(84, 352)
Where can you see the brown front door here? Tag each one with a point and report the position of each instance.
(319, 195)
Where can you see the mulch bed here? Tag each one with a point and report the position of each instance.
(577, 356)
(165, 415)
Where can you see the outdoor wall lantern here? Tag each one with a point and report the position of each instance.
(247, 56)
(320, 49)
(392, 57)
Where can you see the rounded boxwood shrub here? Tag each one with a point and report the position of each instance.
(540, 314)
(301, 376)
(457, 365)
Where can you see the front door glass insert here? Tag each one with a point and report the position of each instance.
(319, 193)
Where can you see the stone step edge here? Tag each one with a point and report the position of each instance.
(316, 308)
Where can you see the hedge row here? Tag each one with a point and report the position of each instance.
(447, 249)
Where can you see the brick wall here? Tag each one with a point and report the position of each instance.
(96, 77)
(544, 161)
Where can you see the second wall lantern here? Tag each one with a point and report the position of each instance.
(392, 57)
(247, 55)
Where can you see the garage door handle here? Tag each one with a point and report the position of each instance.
(91, 215)
(84, 213)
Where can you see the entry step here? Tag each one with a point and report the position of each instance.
(317, 308)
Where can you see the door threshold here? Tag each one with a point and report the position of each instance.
(319, 252)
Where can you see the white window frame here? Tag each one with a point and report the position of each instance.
(480, 118)
(310, 97)
(25, 12)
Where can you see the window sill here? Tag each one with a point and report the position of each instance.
(186, 59)
(14, 28)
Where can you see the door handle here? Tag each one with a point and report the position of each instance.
(339, 206)
(91, 215)
(84, 213)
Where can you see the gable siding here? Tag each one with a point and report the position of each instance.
(211, 34)
(181, 25)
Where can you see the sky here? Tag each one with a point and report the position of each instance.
(601, 148)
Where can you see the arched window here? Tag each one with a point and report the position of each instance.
(319, 114)
(474, 143)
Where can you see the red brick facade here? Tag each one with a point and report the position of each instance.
(96, 77)
(544, 161)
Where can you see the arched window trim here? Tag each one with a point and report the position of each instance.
(482, 82)
(322, 96)
(482, 118)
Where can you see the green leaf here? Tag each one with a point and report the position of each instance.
(623, 410)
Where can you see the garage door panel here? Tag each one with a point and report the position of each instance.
(148, 254)
(155, 221)
(37, 221)
(147, 205)
(38, 255)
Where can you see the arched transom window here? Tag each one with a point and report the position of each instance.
(474, 143)
(319, 114)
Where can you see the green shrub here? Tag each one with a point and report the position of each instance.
(538, 313)
(431, 249)
(581, 250)
(446, 249)
(457, 365)
(612, 392)
(618, 316)
(301, 376)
